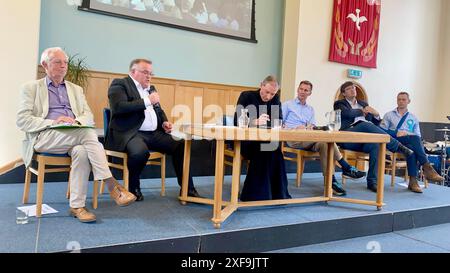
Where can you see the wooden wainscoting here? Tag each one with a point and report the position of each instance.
(10, 166)
(179, 98)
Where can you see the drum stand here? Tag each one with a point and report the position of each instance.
(445, 172)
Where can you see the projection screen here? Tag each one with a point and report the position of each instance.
(227, 18)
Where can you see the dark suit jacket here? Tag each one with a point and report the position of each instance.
(348, 114)
(127, 114)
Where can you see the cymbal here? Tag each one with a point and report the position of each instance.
(442, 130)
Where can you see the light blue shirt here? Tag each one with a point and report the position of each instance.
(392, 118)
(295, 114)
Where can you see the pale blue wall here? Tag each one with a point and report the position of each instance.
(110, 43)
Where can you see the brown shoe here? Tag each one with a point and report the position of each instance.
(431, 174)
(122, 196)
(83, 215)
(414, 185)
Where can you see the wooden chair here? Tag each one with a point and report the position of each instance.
(155, 158)
(63, 162)
(299, 156)
(394, 162)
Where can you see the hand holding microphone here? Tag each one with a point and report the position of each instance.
(154, 97)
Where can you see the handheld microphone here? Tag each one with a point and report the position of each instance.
(152, 90)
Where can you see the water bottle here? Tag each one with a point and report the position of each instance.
(334, 120)
(337, 121)
(243, 120)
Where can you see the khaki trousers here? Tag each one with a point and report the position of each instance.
(318, 147)
(87, 154)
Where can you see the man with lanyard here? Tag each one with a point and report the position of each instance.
(404, 126)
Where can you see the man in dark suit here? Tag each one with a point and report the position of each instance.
(358, 116)
(138, 124)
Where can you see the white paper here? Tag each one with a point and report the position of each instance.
(31, 210)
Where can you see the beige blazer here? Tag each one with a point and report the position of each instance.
(33, 110)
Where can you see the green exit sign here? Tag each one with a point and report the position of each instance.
(354, 74)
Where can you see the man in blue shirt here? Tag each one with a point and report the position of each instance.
(299, 115)
(404, 126)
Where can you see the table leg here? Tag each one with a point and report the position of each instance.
(186, 166)
(236, 173)
(218, 183)
(381, 169)
(329, 174)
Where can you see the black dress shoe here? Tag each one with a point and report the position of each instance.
(193, 193)
(138, 194)
(373, 187)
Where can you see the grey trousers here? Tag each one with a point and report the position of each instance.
(318, 147)
(87, 154)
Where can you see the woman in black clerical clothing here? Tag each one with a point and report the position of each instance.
(266, 176)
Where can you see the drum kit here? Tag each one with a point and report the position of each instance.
(444, 146)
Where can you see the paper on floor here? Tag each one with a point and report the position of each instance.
(31, 210)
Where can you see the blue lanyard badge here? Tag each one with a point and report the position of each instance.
(410, 124)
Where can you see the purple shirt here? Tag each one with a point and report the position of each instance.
(58, 101)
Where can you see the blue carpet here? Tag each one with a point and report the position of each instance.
(160, 218)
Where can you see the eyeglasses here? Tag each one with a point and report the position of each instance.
(59, 62)
(146, 72)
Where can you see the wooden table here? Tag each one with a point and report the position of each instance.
(223, 209)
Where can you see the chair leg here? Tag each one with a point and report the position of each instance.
(298, 180)
(163, 175)
(68, 189)
(40, 188)
(344, 156)
(302, 171)
(102, 187)
(95, 195)
(393, 169)
(26, 187)
(406, 175)
(126, 174)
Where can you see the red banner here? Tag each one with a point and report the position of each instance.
(354, 39)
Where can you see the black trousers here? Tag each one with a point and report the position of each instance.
(138, 150)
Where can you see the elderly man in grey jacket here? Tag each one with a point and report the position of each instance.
(52, 101)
